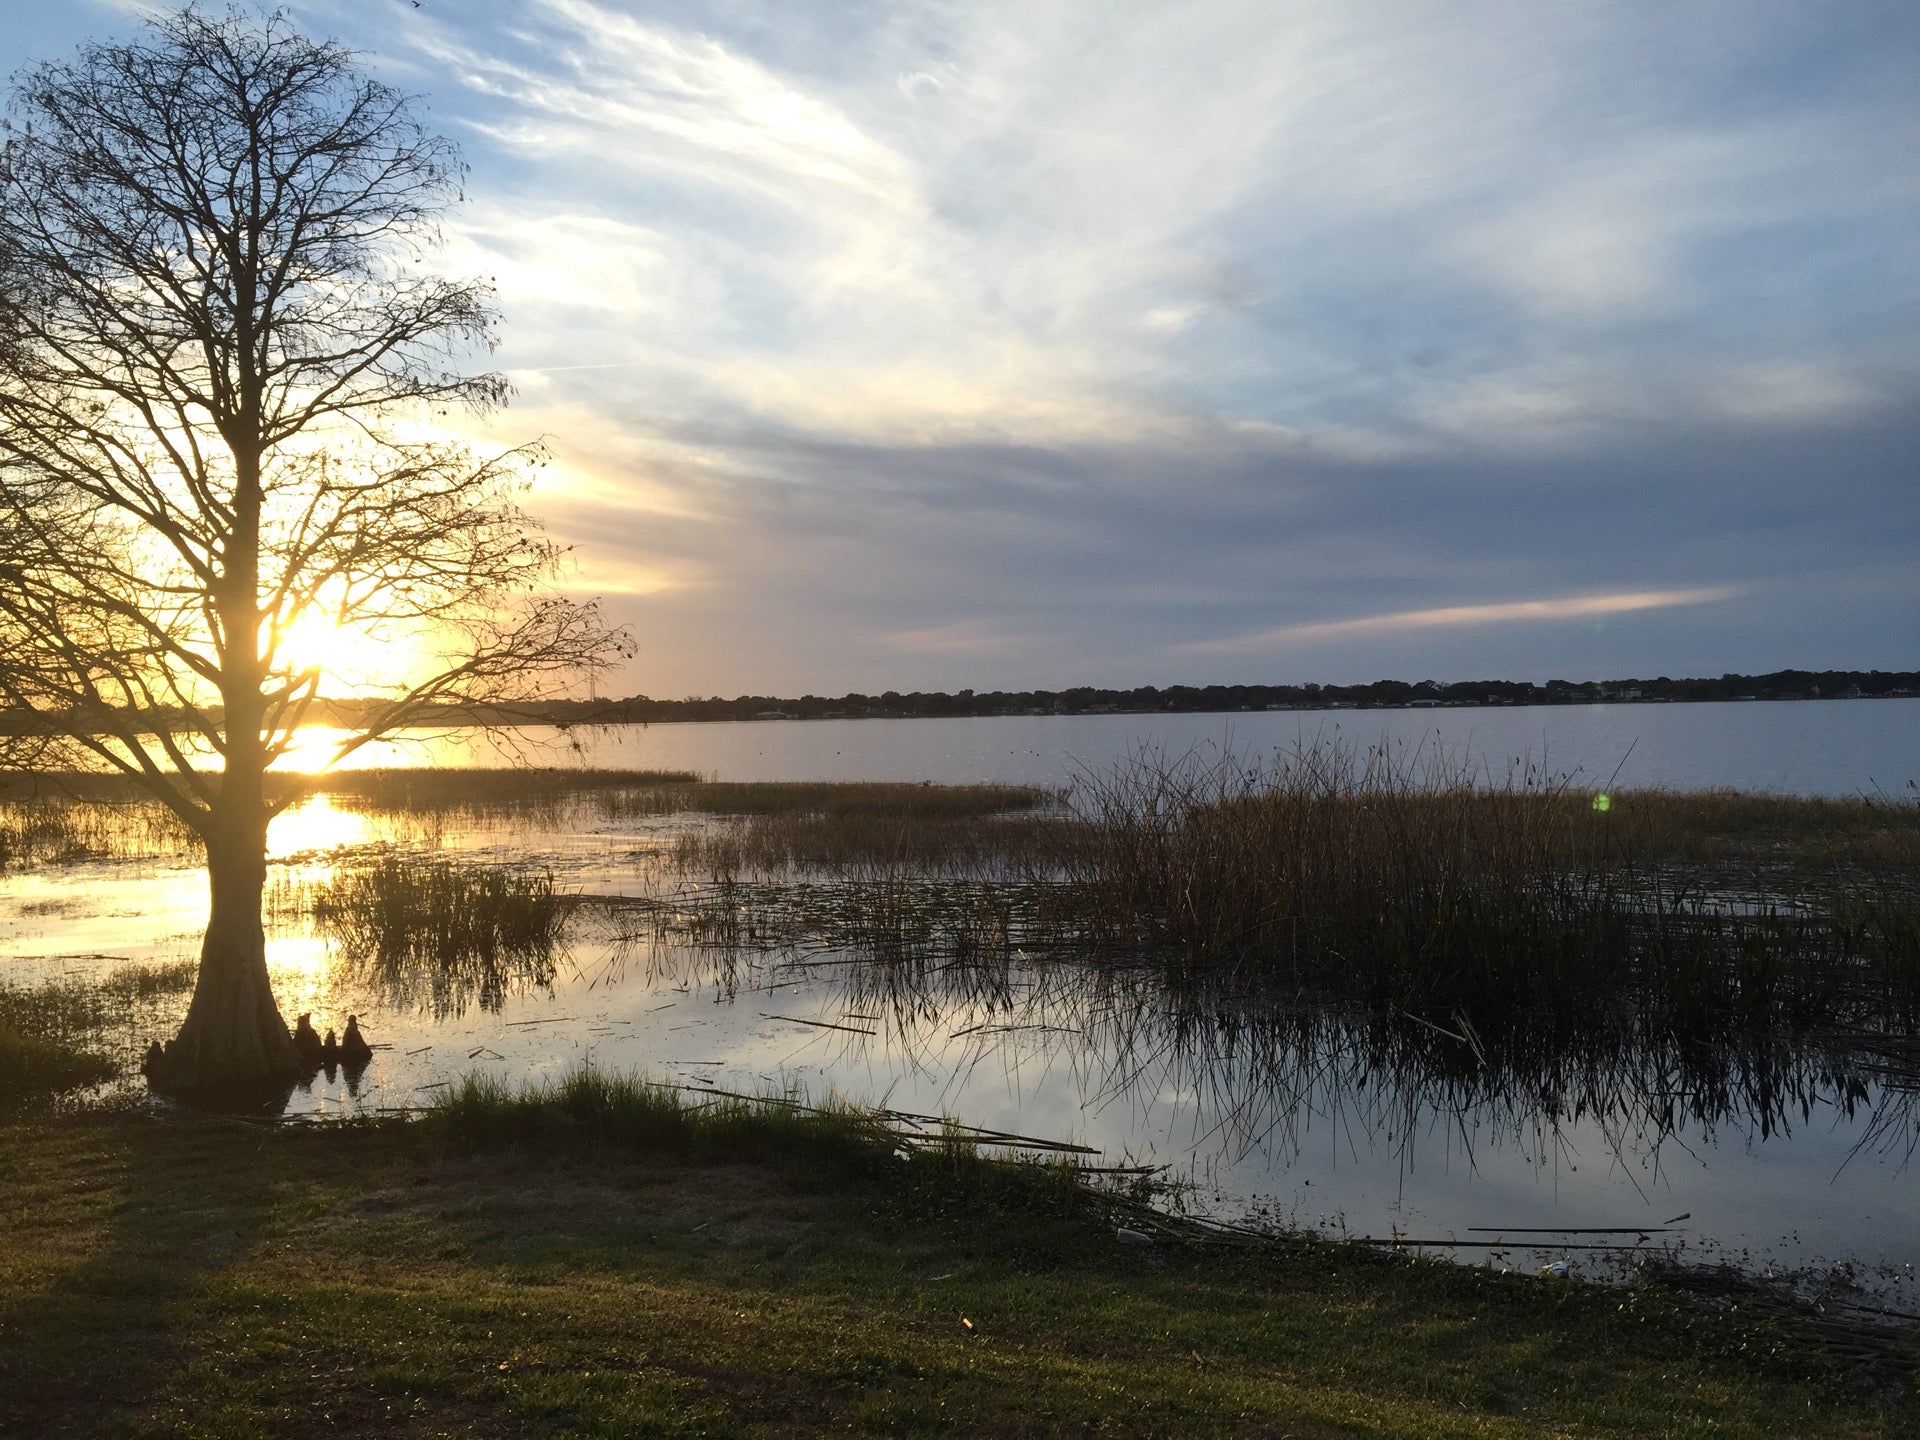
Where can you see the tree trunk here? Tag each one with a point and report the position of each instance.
(234, 1046)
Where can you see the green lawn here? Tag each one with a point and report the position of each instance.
(214, 1278)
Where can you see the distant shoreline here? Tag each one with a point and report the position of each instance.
(1194, 699)
(1090, 700)
(1329, 708)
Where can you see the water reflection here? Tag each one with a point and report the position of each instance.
(315, 826)
(1819, 747)
(1264, 1072)
(1608, 1106)
(440, 936)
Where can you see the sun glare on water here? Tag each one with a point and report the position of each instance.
(315, 826)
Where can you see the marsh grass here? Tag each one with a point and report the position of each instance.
(61, 830)
(638, 794)
(532, 794)
(59, 817)
(623, 1109)
(32, 1068)
(1012, 845)
(1485, 942)
(440, 935)
(884, 919)
(1418, 886)
(67, 1033)
(855, 800)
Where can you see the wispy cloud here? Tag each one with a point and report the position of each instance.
(1449, 617)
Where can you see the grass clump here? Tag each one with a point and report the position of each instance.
(625, 1110)
(63, 1034)
(442, 935)
(32, 1068)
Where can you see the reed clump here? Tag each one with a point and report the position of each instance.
(1417, 885)
(440, 935)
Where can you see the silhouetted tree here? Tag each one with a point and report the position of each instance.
(222, 356)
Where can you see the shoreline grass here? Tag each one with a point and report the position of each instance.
(65, 1034)
(430, 1278)
(34, 1069)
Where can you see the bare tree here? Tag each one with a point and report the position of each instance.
(222, 351)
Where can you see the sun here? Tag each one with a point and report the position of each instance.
(351, 659)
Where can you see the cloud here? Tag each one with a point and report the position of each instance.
(962, 637)
(1573, 607)
(1009, 343)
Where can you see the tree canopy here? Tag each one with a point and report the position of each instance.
(229, 379)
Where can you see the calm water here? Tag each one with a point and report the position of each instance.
(1774, 1161)
(1813, 747)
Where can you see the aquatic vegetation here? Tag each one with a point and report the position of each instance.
(1008, 844)
(42, 829)
(879, 919)
(1421, 887)
(32, 1068)
(535, 792)
(66, 1033)
(440, 936)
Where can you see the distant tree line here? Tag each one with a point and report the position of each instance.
(1148, 700)
(1197, 699)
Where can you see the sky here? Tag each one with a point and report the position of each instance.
(926, 345)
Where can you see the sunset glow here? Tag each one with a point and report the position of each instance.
(351, 660)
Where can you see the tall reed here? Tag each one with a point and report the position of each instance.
(1417, 883)
(441, 935)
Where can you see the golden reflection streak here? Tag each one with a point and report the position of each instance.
(314, 825)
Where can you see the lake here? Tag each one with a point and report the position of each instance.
(1810, 747)
(1769, 1158)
